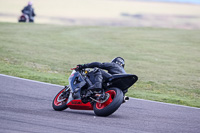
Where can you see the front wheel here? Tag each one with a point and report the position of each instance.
(111, 105)
(59, 102)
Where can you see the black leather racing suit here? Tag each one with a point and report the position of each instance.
(100, 74)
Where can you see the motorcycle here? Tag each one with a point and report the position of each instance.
(104, 102)
(23, 18)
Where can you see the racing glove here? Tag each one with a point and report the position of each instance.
(79, 67)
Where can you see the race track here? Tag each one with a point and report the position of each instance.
(26, 106)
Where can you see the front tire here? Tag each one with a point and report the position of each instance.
(59, 103)
(111, 105)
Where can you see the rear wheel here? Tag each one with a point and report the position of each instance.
(59, 102)
(111, 105)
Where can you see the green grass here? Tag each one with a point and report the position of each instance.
(167, 61)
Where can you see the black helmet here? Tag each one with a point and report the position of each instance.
(119, 60)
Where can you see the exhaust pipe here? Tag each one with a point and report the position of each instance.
(125, 99)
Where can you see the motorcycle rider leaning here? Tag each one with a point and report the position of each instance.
(116, 66)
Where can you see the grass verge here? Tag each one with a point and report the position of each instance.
(165, 60)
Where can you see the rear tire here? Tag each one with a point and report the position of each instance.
(111, 105)
(59, 104)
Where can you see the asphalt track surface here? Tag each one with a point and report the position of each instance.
(26, 106)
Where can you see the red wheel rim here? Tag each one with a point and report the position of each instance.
(112, 94)
(58, 101)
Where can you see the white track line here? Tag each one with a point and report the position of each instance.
(130, 97)
(30, 80)
(164, 103)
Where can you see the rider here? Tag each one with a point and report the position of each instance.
(28, 10)
(116, 66)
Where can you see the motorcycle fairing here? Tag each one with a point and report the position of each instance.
(122, 81)
(76, 81)
(78, 104)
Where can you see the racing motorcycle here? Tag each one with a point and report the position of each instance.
(104, 102)
(23, 18)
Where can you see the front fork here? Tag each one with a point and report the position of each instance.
(64, 93)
